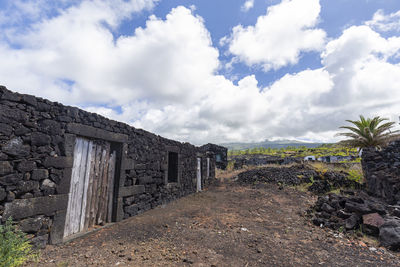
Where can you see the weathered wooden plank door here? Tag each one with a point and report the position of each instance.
(74, 209)
(92, 186)
(198, 174)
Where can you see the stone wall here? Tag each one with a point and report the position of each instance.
(254, 160)
(37, 139)
(382, 171)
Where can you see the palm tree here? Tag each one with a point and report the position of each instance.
(368, 132)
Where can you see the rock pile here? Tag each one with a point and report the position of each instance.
(359, 211)
(258, 160)
(330, 180)
(299, 174)
(293, 175)
(255, 160)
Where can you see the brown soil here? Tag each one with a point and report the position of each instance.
(226, 225)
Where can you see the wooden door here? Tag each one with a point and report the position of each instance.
(92, 186)
(208, 168)
(198, 174)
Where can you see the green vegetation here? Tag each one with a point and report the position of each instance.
(230, 165)
(267, 143)
(353, 171)
(291, 151)
(322, 168)
(15, 248)
(368, 132)
(356, 175)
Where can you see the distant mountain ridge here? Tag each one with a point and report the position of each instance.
(270, 144)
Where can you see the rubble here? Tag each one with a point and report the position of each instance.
(359, 212)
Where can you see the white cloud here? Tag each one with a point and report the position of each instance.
(358, 60)
(164, 78)
(279, 37)
(358, 77)
(249, 4)
(385, 23)
(167, 66)
(193, 8)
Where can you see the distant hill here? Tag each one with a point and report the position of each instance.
(270, 144)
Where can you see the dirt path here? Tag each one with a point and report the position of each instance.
(228, 225)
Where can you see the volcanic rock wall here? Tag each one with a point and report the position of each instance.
(37, 140)
(382, 171)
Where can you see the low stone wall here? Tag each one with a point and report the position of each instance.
(382, 171)
(37, 139)
(255, 160)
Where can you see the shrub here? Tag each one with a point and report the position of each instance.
(231, 164)
(356, 175)
(15, 248)
(320, 167)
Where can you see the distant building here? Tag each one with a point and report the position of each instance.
(220, 153)
(324, 159)
(333, 159)
(309, 158)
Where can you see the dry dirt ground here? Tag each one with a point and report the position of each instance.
(226, 225)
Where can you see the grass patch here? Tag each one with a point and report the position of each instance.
(231, 164)
(356, 176)
(302, 187)
(334, 191)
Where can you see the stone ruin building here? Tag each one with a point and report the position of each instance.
(64, 170)
(220, 154)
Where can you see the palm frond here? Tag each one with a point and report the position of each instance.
(367, 132)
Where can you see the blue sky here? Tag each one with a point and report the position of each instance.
(209, 71)
(222, 15)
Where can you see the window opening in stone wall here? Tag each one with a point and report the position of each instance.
(218, 158)
(172, 167)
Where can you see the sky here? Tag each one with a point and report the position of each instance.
(204, 71)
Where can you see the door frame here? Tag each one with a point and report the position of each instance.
(119, 142)
(198, 175)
